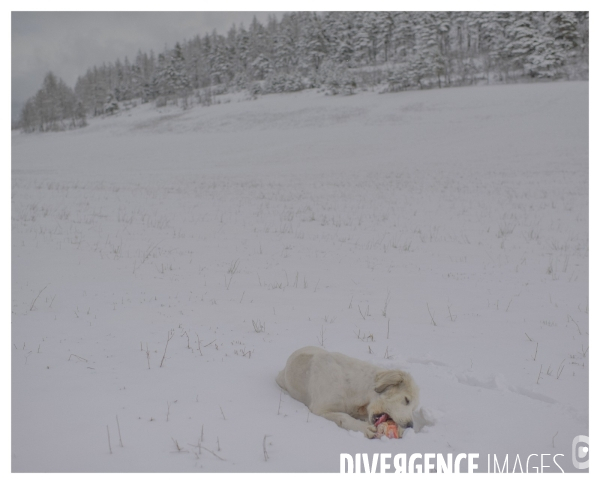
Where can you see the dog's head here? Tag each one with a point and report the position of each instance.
(397, 395)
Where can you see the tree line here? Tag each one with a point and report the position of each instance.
(336, 51)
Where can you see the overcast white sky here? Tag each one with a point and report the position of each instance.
(68, 43)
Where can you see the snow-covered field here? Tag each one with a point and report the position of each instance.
(443, 232)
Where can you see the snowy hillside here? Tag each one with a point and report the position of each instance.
(165, 264)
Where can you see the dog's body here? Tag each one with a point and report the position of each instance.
(350, 392)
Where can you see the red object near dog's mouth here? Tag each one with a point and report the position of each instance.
(386, 426)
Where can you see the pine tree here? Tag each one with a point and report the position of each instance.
(177, 77)
(403, 34)
(344, 49)
(524, 40)
(161, 78)
(312, 44)
(219, 60)
(563, 28)
(362, 43)
(242, 44)
(53, 108)
(431, 36)
(384, 22)
(285, 44)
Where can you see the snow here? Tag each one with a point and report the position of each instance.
(443, 232)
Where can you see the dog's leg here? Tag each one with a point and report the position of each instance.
(349, 423)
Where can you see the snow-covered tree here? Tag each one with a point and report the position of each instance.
(54, 108)
(563, 28)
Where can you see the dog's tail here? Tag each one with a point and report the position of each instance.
(281, 379)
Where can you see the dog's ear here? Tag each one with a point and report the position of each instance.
(387, 378)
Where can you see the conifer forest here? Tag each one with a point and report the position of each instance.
(336, 52)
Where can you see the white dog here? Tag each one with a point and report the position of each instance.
(350, 392)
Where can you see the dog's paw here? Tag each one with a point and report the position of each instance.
(370, 431)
